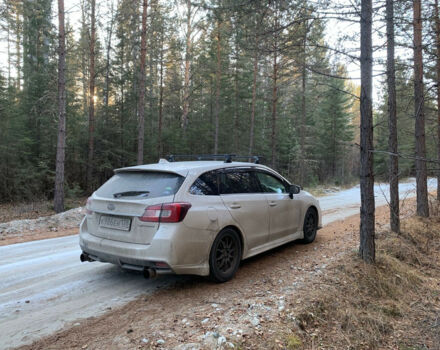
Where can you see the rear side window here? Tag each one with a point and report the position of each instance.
(206, 184)
(140, 185)
(238, 182)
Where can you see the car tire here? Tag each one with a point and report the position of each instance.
(310, 226)
(225, 256)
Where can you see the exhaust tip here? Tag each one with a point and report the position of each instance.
(85, 257)
(149, 273)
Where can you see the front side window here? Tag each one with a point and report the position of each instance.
(206, 184)
(238, 182)
(270, 183)
(140, 185)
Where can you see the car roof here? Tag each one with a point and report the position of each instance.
(182, 168)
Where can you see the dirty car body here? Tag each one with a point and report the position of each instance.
(194, 217)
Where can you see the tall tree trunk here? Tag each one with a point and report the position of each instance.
(90, 165)
(121, 121)
(141, 101)
(18, 47)
(273, 136)
(107, 62)
(211, 103)
(236, 121)
(419, 107)
(274, 108)
(392, 121)
(84, 60)
(61, 144)
(151, 83)
(367, 245)
(159, 127)
(254, 97)
(122, 104)
(217, 89)
(186, 83)
(235, 131)
(334, 142)
(274, 94)
(303, 111)
(152, 67)
(437, 35)
(8, 41)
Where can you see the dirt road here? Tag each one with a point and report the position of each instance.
(44, 287)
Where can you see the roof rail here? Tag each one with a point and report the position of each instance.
(226, 157)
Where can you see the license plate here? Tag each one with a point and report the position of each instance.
(115, 222)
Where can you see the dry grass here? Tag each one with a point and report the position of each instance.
(392, 304)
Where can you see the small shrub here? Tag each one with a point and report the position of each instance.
(294, 342)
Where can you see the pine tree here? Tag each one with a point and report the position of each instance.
(419, 112)
(392, 121)
(141, 86)
(367, 248)
(92, 96)
(61, 145)
(39, 96)
(334, 127)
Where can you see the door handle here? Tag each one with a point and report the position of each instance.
(235, 206)
(272, 203)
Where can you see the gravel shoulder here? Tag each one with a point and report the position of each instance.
(26, 230)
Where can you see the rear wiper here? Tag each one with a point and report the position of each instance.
(130, 194)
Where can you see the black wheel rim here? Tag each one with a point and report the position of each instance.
(226, 253)
(310, 225)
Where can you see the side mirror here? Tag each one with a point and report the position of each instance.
(294, 189)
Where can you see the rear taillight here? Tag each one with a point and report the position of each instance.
(166, 212)
(89, 210)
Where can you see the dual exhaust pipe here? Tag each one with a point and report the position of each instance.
(149, 273)
(85, 257)
(146, 271)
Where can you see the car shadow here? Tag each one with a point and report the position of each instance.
(250, 269)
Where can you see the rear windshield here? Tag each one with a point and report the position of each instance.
(140, 185)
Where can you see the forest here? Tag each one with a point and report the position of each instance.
(123, 82)
(249, 78)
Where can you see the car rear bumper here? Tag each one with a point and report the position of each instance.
(184, 252)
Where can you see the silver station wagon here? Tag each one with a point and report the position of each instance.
(194, 217)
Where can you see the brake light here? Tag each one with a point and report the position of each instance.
(89, 211)
(166, 212)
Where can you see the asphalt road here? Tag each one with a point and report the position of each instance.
(44, 286)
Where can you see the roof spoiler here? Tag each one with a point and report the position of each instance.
(228, 158)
